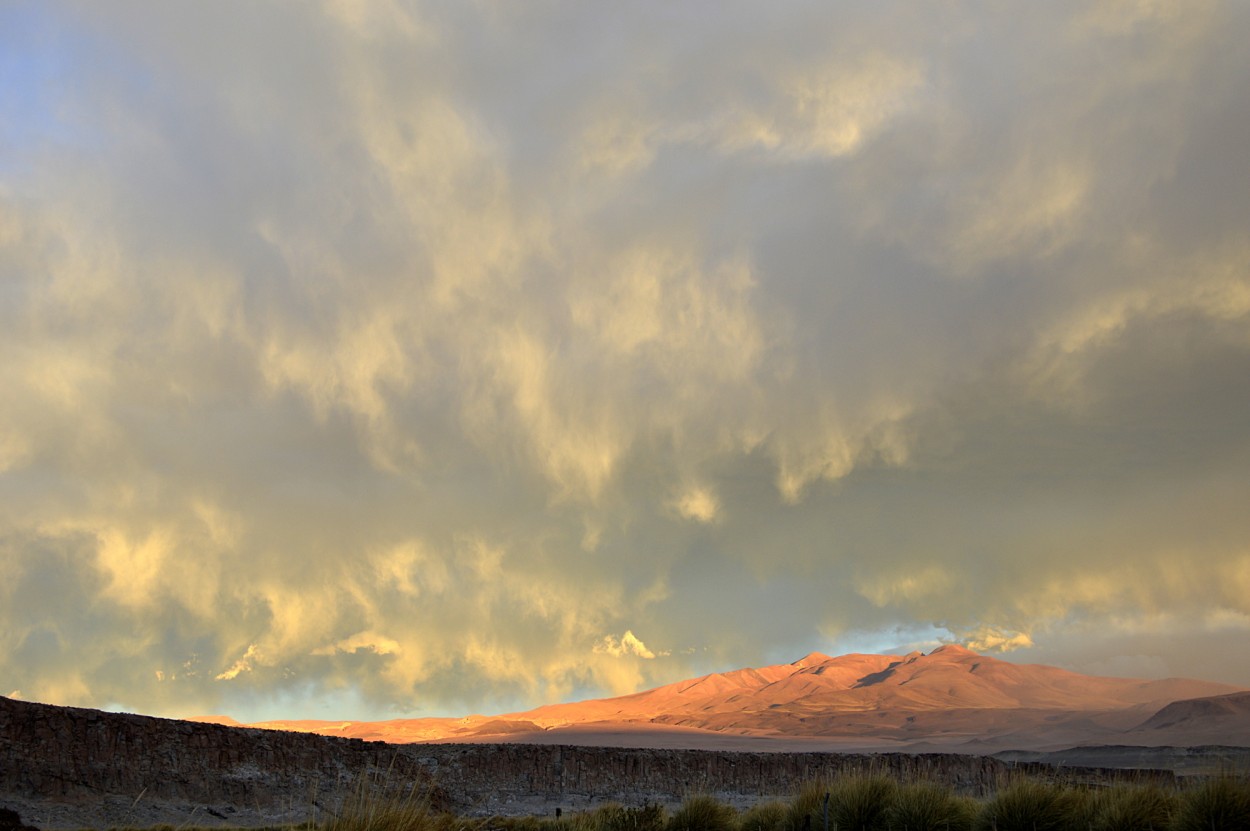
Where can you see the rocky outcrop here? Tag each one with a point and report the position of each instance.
(11, 821)
(69, 756)
(67, 767)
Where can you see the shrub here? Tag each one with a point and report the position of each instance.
(378, 804)
(1131, 808)
(1216, 805)
(763, 816)
(703, 813)
(619, 818)
(860, 803)
(925, 806)
(856, 803)
(806, 809)
(1029, 806)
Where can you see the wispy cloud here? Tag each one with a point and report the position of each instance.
(397, 352)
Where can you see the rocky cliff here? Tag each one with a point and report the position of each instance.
(66, 767)
(62, 763)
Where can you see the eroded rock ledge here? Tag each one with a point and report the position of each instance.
(68, 767)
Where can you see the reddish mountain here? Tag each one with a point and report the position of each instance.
(949, 697)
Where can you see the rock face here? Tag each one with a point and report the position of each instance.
(10, 821)
(64, 756)
(67, 767)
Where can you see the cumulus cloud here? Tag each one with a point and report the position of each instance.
(627, 644)
(990, 639)
(390, 354)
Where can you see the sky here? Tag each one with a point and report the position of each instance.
(379, 359)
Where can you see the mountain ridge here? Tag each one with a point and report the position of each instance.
(948, 697)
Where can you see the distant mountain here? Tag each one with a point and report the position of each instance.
(1221, 719)
(1201, 710)
(951, 698)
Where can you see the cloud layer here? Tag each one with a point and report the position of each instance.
(421, 358)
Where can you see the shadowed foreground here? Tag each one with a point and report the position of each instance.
(68, 767)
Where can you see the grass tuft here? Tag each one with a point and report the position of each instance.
(703, 813)
(378, 804)
(806, 808)
(764, 816)
(861, 803)
(927, 806)
(1030, 806)
(616, 817)
(1215, 805)
(855, 803)
(1131, 808)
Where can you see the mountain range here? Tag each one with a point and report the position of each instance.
(950, 699)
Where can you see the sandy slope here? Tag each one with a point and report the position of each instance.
(949, 699)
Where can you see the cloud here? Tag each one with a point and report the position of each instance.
(825, 111)
(628, 644)
(244, 664)
(389, 355)
(699, 503)
(366, 641)
(989, 639)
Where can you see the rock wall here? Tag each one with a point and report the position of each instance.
(71, 756)
(67, 767)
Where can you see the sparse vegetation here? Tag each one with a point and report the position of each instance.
(379, 804)
(807, 808)
(863, 802)
(1216, 804)
(764, 816)
(614, 817)
(927, 806)
(703, 813)
(1026, 805)
(1132, 808)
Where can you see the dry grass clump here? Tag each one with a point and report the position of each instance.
(853, 803)
(1030, 806)
(1214, 805)
(806, 808)
(861, 803)
(1131, 808)
(378, 804)
(703, 813)
(764, 816)
(615, 817)
(927, 806)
